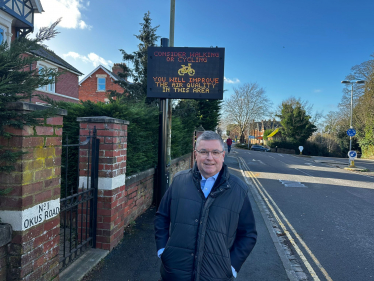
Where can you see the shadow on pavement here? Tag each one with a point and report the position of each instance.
(135, 258)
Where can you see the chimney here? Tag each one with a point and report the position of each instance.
(117, 68)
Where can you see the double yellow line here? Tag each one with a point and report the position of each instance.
(247, 174)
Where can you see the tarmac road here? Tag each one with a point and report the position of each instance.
(327, 209)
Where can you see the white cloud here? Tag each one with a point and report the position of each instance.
(83, 25)
(69, 10)
(317, 91)
(90, 58)
(236, 80)
(74, 55)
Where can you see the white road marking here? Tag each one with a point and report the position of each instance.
(265, 195)
(304, 172)
(254, 160)
(280, 155)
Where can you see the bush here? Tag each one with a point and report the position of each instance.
(315, 149)
(283, 144)
(142, 139)
(242, 145)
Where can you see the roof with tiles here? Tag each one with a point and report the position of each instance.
(52, 57)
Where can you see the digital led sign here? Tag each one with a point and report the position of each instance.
(185, 73)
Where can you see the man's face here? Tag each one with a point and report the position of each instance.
(209, 165)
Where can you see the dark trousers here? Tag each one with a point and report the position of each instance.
(229, 148)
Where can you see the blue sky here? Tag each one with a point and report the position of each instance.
(300, 48)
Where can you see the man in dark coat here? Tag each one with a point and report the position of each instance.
(204, 226)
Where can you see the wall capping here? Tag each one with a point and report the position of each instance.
(139, 176)
(102, 119)
(184, 157)
(144, 174)
(33, 107)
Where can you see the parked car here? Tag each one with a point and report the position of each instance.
(260, 148)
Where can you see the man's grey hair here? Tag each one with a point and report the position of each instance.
(209, 135)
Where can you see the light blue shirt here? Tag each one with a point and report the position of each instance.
(206, 187)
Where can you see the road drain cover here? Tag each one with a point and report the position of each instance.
(292, 183)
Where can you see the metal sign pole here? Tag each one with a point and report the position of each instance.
(162, 173)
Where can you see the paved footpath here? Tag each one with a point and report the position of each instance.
(135, 259)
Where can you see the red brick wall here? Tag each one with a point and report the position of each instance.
(88, 89)
(138, 195)
(33, 251)
(139, 188)
(120, 199)
(68, 84)
(111, 182)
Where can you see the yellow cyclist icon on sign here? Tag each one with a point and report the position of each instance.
(186, 69)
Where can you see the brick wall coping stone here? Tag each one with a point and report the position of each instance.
(5, 233)
(33, 107)
(139, 176)
(102, 119)
(176, 160)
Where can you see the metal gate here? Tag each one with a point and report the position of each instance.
(78, 198)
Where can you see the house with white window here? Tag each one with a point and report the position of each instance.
(66, 86)
(17, 19)
(95, 86)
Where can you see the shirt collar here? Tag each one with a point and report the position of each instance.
(214, 177)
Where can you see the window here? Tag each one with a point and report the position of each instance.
(49, 87)
(101, 84)
(1, 35)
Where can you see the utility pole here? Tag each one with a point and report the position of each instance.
(170, 101)
(162, 171)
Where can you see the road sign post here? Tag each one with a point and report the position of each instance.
(301, 149)
(351, 133)
(352, 156)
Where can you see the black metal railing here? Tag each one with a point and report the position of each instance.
(78, 204)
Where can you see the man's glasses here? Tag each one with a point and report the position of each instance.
(205, 153)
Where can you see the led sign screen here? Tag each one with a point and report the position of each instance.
(185, 73)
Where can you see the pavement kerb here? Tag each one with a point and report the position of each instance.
(84, 264)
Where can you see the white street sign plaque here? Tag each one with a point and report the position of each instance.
(352, 155)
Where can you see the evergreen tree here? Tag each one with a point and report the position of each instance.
(137, 89)
(296, 124)
(17, 83)
(209, 113)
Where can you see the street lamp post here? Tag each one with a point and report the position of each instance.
(352, 164)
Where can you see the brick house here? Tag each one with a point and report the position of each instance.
(17, 19)
(257, 129)
(66, 86)
(94, 86)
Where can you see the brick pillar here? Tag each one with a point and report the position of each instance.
(32, 207)
(112, 174)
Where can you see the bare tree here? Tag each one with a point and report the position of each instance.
(248, 102)
(362, 71)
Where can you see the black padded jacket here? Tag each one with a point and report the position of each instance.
(204, 237)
